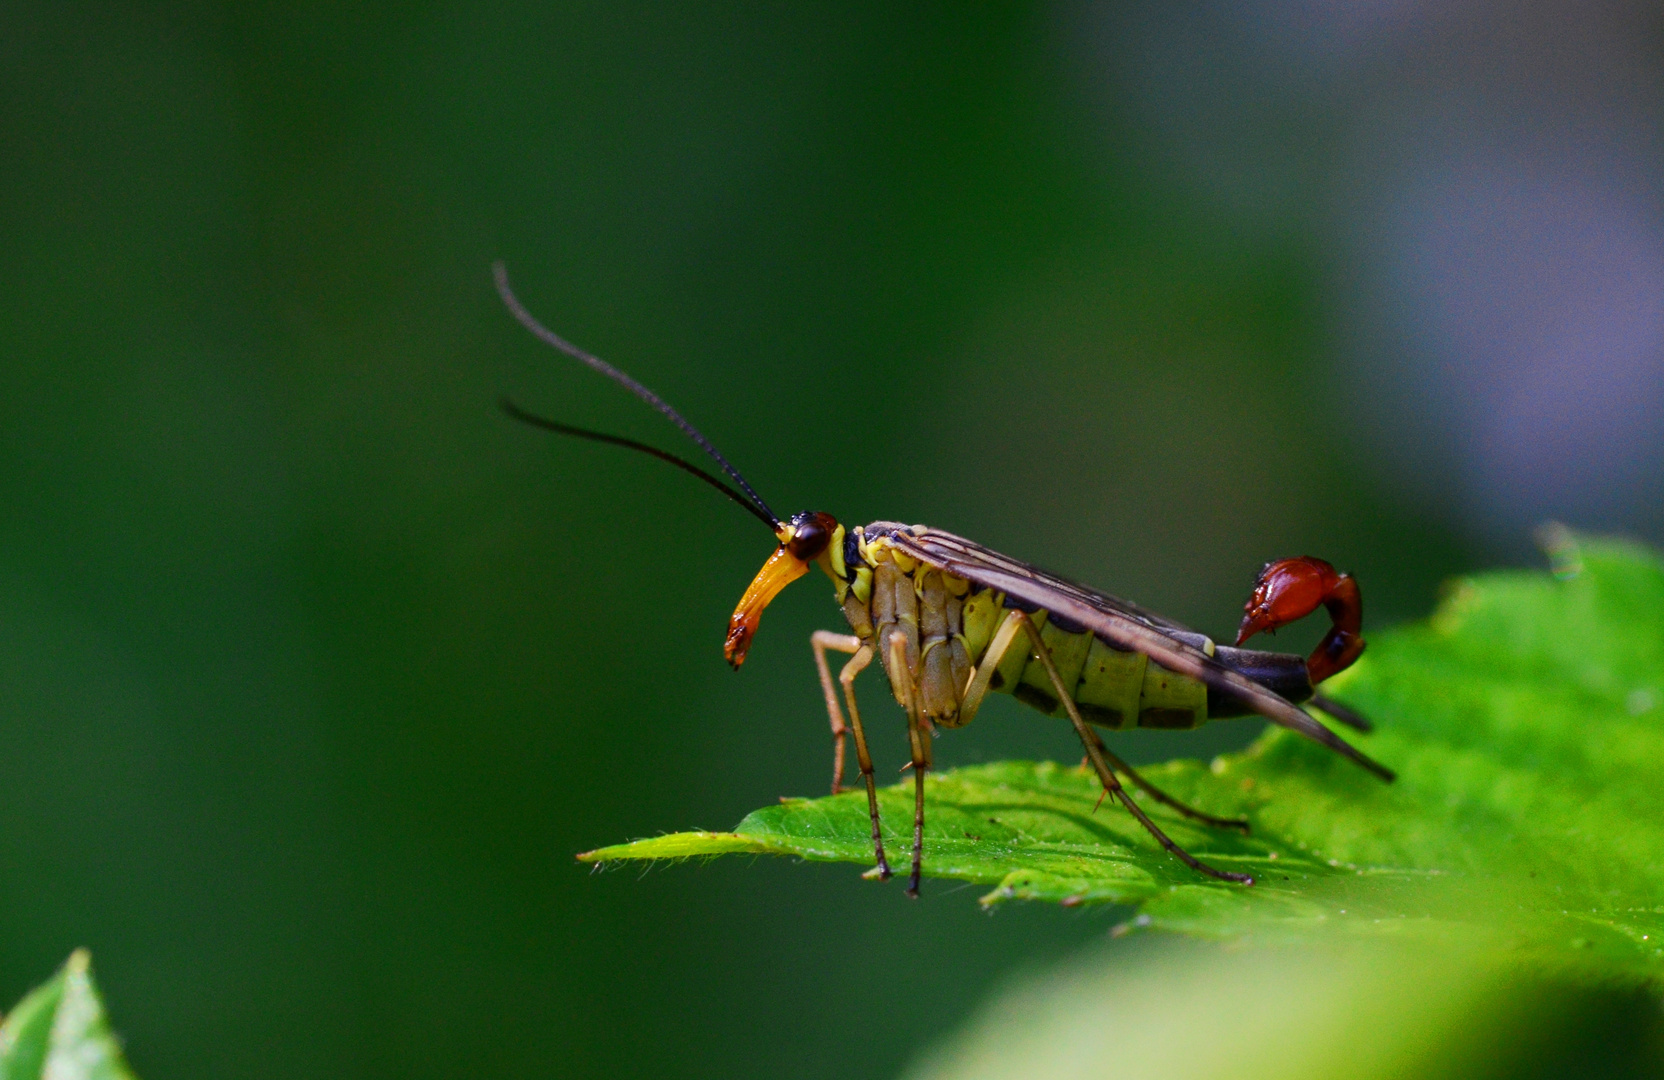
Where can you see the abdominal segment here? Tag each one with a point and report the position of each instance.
(946, 624)
(1113, 688)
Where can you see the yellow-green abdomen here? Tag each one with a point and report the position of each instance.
(1111, 687)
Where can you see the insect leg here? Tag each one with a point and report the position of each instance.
(846, 677)
(981, 678)
(918, 740)
(977, 688)
(1105, 774)
(1160, 796)
(820, 641)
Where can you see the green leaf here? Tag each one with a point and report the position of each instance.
(59, 1031)
(1526, 720)
(1365, 1011)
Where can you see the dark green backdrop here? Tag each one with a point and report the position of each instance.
(315, 671)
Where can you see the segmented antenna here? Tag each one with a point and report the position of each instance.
(499, 272)
(618, 440)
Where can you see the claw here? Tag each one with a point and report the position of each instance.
(1291, 589)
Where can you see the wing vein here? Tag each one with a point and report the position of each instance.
(1115, 621)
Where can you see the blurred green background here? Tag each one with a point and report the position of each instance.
(315, 671)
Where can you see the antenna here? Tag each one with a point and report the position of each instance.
(630, 444)
(499, 273)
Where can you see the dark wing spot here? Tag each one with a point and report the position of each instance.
(1021, 605)
(1067, 626)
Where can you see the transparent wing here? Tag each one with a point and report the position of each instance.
(945, 545)
(1115, 621)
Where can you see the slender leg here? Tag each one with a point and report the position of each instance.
(1105, 774)
(977, 688)
(918, 741)
(1160, 796)
(846, 677)
(820, 641)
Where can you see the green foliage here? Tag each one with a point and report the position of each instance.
(1526, 720)
(59, 1031)
(1339, 1010)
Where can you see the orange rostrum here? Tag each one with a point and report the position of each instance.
(781, 570)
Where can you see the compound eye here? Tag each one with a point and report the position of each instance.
(811, 532)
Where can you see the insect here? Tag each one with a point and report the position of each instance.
(950, 621)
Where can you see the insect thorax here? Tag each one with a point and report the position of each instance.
(947, 623)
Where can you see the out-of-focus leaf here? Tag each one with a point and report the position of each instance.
(59, 1031)
(1358, 1010)
(1526, 720)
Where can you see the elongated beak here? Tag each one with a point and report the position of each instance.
(781, 570)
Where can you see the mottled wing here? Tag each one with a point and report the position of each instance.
(1115, 621)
